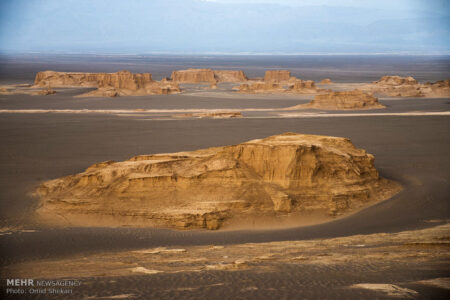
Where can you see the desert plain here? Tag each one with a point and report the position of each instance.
(332, 178)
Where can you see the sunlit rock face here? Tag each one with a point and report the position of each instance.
(355, 99)
(270, 177)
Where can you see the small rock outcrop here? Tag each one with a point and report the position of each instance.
(326, 81)
(303, 87)
(204, 188)
(355, 99)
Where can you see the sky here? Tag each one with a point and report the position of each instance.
(225, 26)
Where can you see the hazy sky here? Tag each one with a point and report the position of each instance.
(225, 26)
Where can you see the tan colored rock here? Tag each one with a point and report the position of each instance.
(194, 76)
(230, 76)
(125, 83)
(202, 189)
(326, 81)
(396, 86)
(261, 87)
(277, 76)
(66, 79)
(45, 92)
(303, 87)
(355, 99)
(439, 88)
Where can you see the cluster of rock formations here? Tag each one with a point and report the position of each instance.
(279, 81)
(122, 83)
(355, 99)
(204, 188)
(396, 86)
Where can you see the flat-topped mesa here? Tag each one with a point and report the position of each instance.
(355, 99)
(287, 173)
(278, 76)
(66, 79)
(194, 76)
(230, 76)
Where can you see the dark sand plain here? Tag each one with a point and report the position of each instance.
(412, 150)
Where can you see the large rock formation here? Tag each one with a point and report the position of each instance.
(194, 76)
(202, 189)
(66, 79)
(277, 76)
(396, 86)
(355, 99)
(208, 76)
(229, 76)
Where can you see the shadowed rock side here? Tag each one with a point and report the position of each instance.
(295, 85)
(396, 86)
(287, 173)
(355, 99)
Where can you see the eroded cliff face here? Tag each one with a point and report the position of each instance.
(303, 87)
(208, 76)
(396, 86)
(122, 83)
(355, 99)
(125, 83)
(66, 79)
(277, 76)
(230, 76)
(203, 189)
(194, 76)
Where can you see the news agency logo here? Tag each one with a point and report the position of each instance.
(19, 282)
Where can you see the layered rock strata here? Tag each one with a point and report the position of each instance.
(274, 176)
(66, 79)
(230, 76)
(355, 99)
